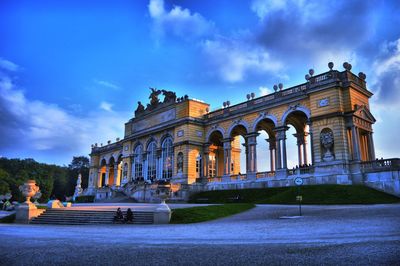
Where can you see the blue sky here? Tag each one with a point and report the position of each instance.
(72, 72)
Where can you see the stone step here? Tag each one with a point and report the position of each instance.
(82, 217)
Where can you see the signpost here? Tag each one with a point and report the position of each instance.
(299, 181)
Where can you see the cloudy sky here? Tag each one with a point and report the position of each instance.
(72, 72)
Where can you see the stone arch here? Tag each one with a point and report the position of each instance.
(297, 108)
(262, 117)
(166, 136)
(150, 140)
(117, 156)
(235, 124)
(137, 143)
(266, 144)
(212, 130)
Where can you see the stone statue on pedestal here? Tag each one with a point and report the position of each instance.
(78, 188)
(327, 143)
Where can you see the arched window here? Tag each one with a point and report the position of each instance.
(167, 155)
(125, 171)
(138, 163)
(151, 161)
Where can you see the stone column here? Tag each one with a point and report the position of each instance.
(99, 178)
(132, 173)
(129, 173)
(300, 138)
(145, 168)
(281, 157)
(252, 154)
(305, 157)
(205, 161)
(272, 152)
(107, 173)
(246, 152)
(278, 156)
(117, 174)
(310, 132)
(227, 157)
(281, 137)
(284, 157)
(356, 143)
(159, 164)
(371, 146)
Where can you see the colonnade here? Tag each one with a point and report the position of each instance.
(277, 152)
(114, 175)
(362, 147)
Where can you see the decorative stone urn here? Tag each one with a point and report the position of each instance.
(29, 189)
(327, 143)
(27, 210)
(36, 197)
(163, 191)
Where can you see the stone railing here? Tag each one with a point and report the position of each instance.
(238, 177)
(303, 170)
(215, 179)
(265, 174)
(381, 165)
(108, 147)
(314, 81)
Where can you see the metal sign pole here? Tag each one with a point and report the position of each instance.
(298, 193)
(299, 181)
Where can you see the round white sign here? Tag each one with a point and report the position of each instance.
(298, 181)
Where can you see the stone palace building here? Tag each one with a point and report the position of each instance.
(180, 140)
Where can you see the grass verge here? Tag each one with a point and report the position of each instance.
(315, 194)
(206, 213)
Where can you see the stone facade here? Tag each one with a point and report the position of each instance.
(180, 140)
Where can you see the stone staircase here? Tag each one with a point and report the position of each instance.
(84, 217)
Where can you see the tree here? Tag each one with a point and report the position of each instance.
(4, 187)
(79, 165)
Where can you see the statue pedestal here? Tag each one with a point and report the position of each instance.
(26, 212)
(162, 214)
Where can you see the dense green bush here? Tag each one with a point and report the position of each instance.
(315, 194)
(84, 199)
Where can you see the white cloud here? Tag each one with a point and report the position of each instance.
(390, 60)
(107, 84)
(106, 106)
(178, 21)
(36, 128)
(8, 65)
(263, 7)
(386, 78)
(264, 91)
(234, 59)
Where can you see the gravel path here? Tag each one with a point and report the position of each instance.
(355, 234)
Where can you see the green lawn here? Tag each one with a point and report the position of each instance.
(206, 213)
(316, 194)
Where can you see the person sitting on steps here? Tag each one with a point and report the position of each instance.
(118, 217)
(129, 216)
